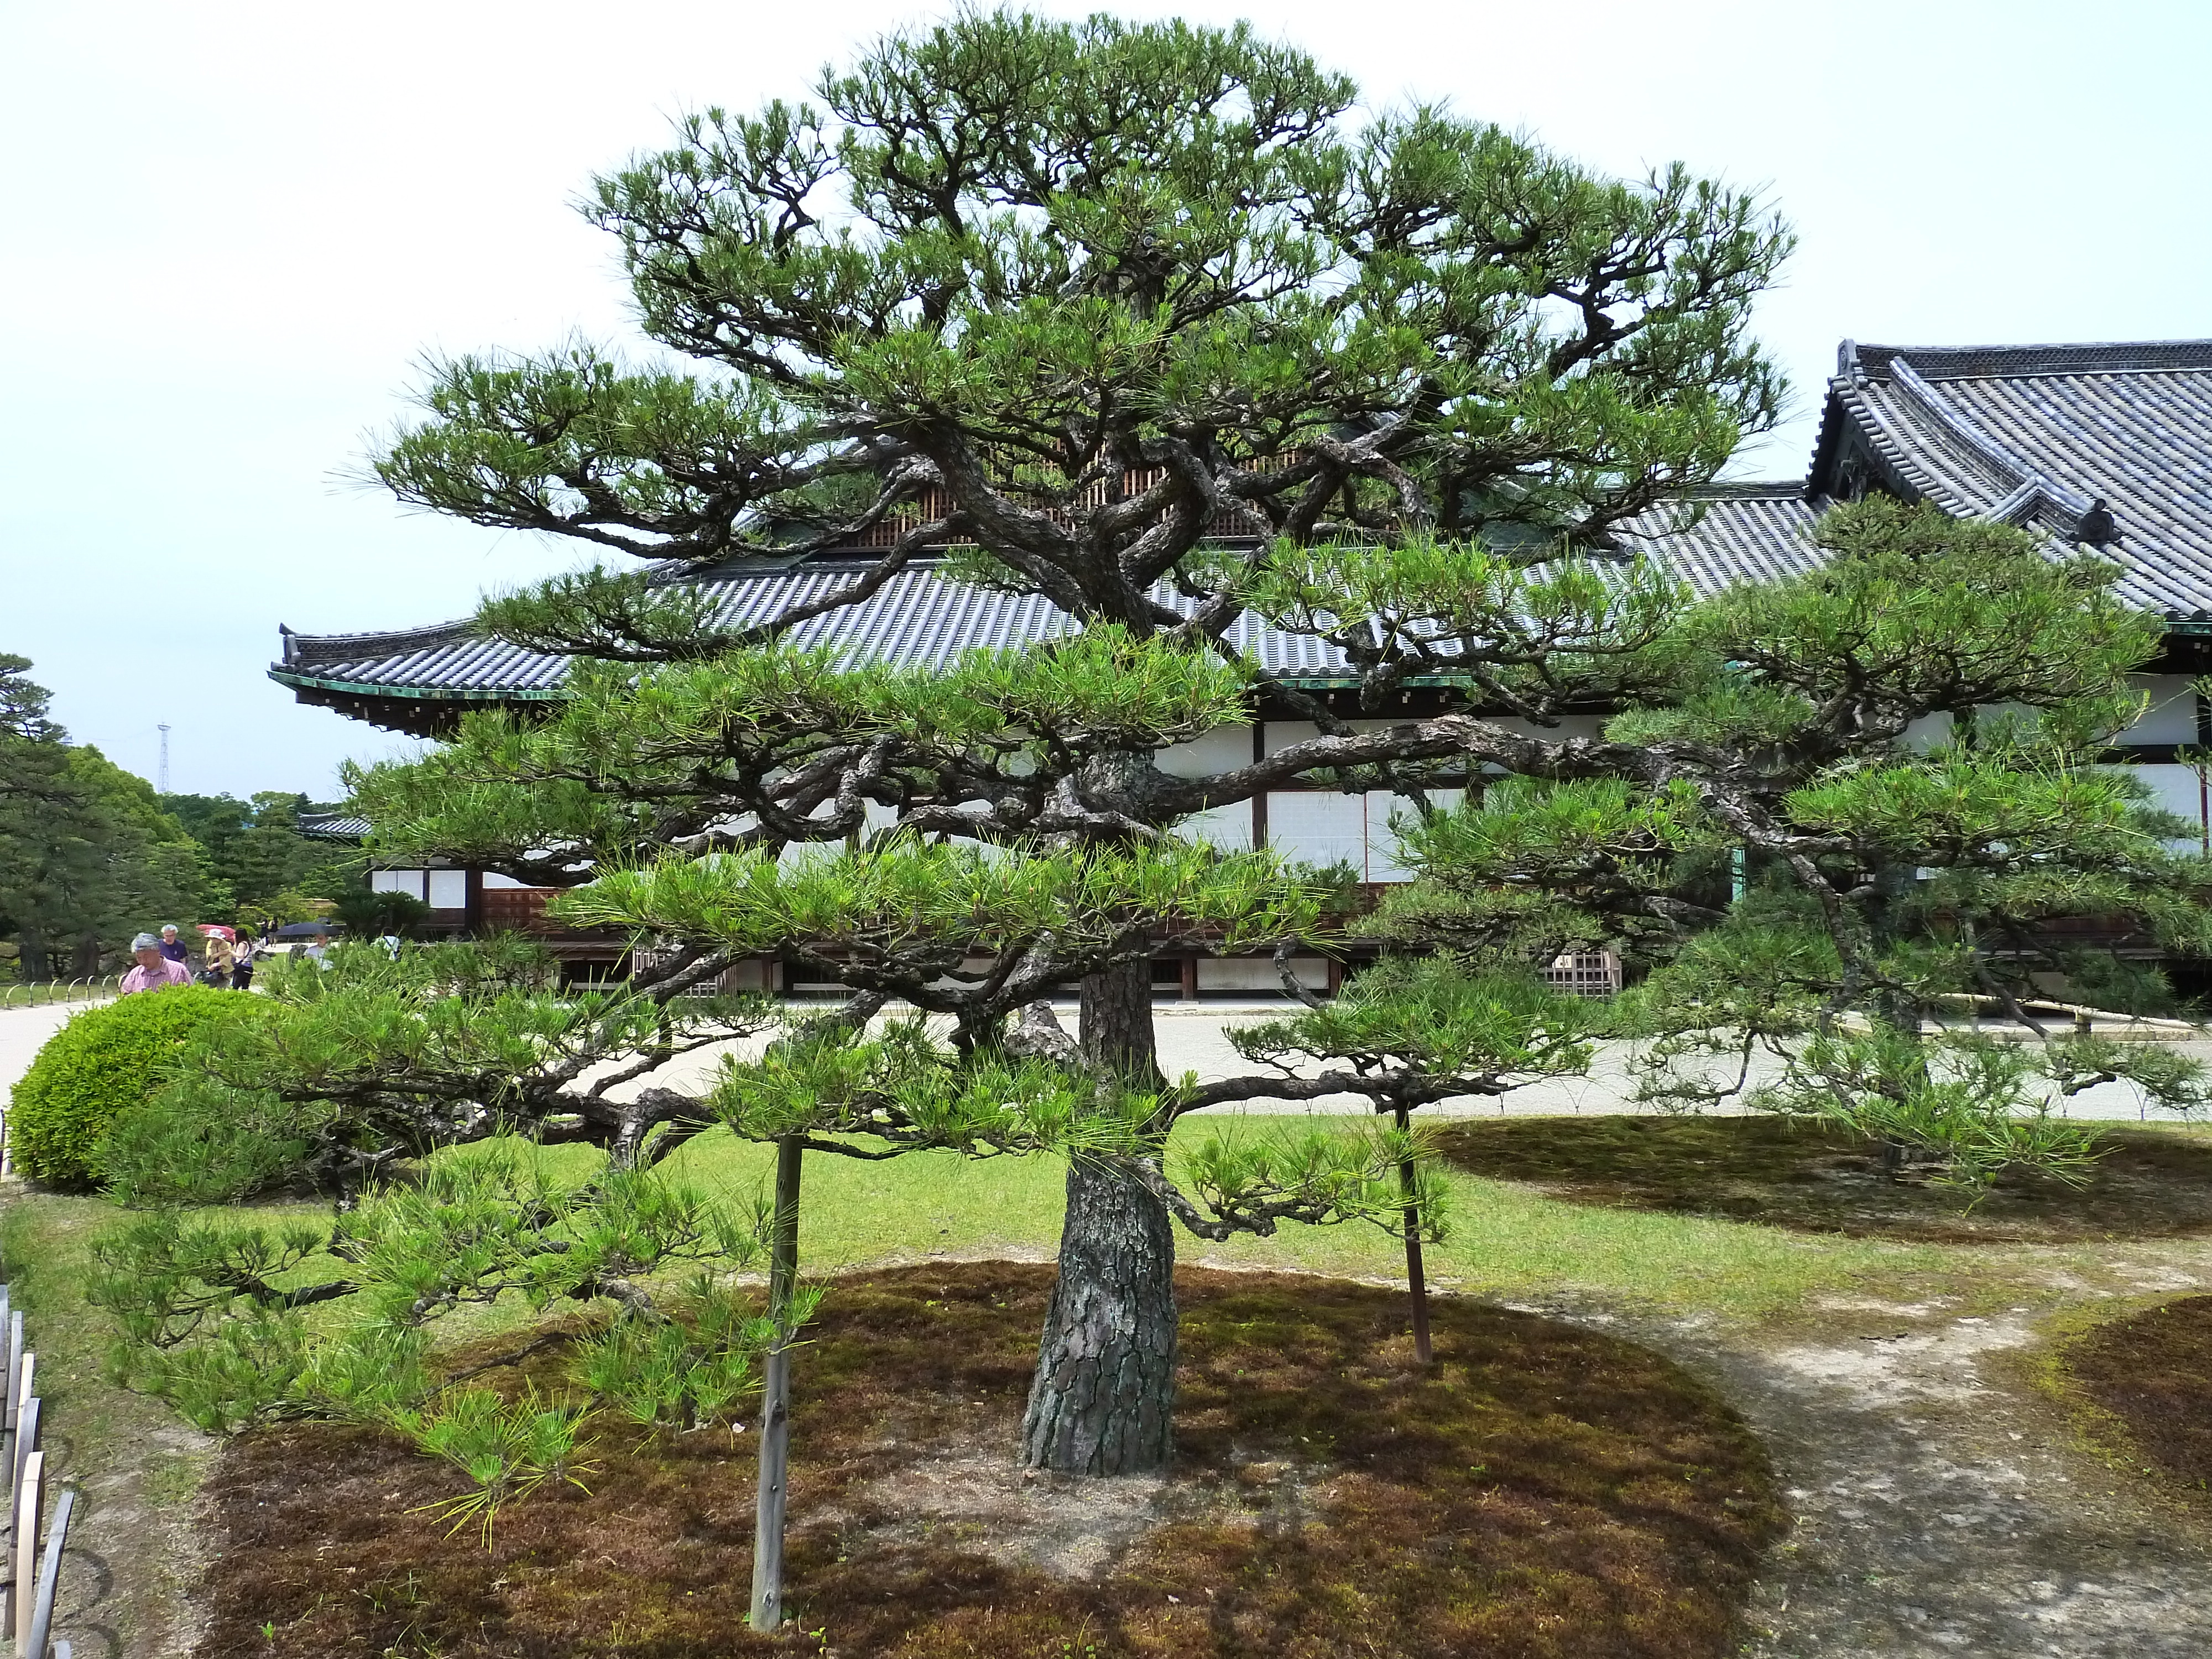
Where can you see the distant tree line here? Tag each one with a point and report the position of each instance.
(266, 873)
(90, 854)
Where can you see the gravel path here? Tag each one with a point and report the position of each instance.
(23, 1032)
(1941, 1506)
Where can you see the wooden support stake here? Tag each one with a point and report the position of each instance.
(774, 1448)
(1417, 1280)
(50, 1573)
(27, 1435)
(26, 1543)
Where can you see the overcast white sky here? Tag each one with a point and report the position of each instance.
(234, 229)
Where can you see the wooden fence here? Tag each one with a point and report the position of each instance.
(33, 1572)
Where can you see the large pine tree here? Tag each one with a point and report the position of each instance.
(1075, 299)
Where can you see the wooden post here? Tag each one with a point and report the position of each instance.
(15, 1364)
(775, 1393)
(27, 1435)
(1190, 979)
(27, 1545)
(1416, 1279)
(49, 1574)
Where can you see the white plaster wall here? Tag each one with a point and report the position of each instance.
(1229, 828)
(1258, 973)
(2176, 788)
(397, 881)
(1318, 828)
(1222, 749)
(492, 878)
(1383, 849)
(449, 890)
(1281, 734)
(2171, 715)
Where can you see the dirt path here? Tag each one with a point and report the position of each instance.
(1943, 1505)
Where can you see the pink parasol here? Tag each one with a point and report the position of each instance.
(229, 935)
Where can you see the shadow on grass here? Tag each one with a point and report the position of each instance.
(1542, 1491)
(2148, 1183)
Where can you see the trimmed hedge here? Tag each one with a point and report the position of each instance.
(104, 1061)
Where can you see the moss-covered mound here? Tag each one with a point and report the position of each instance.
(104, 1061)
(2152, 1371)
(2148, 1182)
(1542, 1492)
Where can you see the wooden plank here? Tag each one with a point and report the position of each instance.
(49, 1574)
(26, 1437)
(14, 1363)
(27, 1538)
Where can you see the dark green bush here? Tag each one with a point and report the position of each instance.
(105, 1061)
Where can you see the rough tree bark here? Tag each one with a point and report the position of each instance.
(1102, 1401)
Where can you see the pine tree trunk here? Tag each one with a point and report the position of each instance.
(1102, 1401)
(1116, 1011)
(775, 1396)
(32, 963)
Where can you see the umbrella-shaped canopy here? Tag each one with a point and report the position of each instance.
(229, 935)
(309, 929)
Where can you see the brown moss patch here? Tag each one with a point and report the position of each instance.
(1542, 1491)
(2152, 1374)
(2147, 1184)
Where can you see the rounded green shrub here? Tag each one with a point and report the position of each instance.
(104, 1061)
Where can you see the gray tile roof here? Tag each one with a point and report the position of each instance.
(2032, 434)
(332, 826)
(1733, 532)
(919, 617)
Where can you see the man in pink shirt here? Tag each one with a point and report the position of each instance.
(154, 971)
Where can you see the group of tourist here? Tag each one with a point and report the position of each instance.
(226, 960)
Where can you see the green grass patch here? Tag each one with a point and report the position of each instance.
(1503, 1239)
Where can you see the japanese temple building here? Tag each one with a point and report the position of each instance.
(2107, 444)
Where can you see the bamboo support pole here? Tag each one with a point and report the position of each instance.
(27, 1539)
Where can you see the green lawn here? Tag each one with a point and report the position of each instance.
(1504, 1241)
